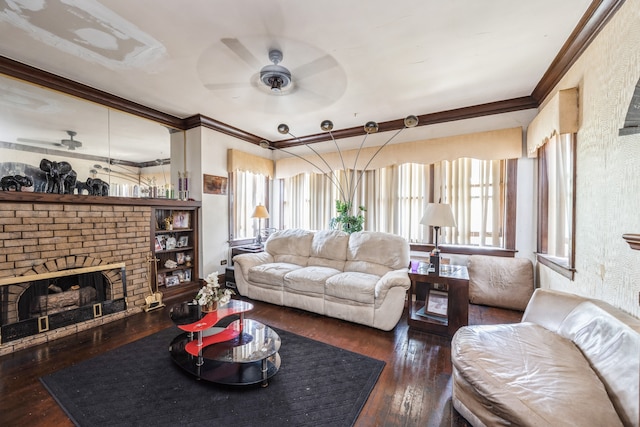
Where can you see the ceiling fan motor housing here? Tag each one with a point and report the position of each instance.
(275, 76)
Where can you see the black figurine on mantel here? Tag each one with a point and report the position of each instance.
(57, 173)
(97, 187)
(16, 182)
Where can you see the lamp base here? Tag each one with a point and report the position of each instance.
(434, 260)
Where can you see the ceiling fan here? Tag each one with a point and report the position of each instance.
(70, 143)
(311, 77)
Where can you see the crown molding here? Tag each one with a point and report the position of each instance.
(498, 107)
(594, 19)
(199, 120)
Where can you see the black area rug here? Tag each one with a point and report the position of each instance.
(138, 384)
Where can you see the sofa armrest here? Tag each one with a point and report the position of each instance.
(390, 280)
(247, 261)
(549, 308)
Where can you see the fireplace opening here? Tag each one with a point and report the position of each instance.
(60, 293)
(51, 296)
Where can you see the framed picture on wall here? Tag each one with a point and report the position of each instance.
(214, 184)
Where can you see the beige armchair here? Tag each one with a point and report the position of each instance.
(500, 281)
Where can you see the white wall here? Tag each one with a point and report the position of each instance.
(608, 178)
(207, 154)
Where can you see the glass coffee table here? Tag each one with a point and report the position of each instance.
(239, 352)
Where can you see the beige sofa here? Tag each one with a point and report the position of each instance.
(572, 361)
(360, 277)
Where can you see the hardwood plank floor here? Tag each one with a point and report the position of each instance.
(413, 390)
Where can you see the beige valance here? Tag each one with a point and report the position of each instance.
(490, 145)
(239, 160)
(558, 117)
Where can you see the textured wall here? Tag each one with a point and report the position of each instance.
(34, 233)
(608, 167)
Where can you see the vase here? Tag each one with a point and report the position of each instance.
(211, 306)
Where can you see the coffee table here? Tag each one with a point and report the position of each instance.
(217, 348)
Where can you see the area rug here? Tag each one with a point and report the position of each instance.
(138, 384)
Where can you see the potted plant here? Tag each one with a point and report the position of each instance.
(345, 221)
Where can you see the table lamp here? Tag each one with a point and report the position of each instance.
(260, 212)
(437, 215)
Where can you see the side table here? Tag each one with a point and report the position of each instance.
(451, 287)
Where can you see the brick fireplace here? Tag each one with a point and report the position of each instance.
(42, 233)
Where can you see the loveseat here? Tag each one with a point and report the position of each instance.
(571, 361)
(360, 277)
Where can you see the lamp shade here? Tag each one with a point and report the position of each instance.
(260, 212)
(438, 215)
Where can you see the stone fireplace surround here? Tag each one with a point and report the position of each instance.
(39, 230)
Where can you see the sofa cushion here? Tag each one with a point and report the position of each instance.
(290, 246)
(376, 253)
(271, 274)
(309, 280)
(527, 375)
(329, 249)
(352, 286)
(500, 282)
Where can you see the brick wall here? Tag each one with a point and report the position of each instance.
(33, 233)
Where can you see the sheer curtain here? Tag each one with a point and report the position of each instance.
(476, 191)
(396, 196)
(249, 190)
(558, 157)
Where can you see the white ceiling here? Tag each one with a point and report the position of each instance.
(351, 61)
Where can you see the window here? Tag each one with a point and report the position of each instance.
(556, 203)
(476, 191)
(247, 191)
(395, 198)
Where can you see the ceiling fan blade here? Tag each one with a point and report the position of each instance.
(38, 141)
(313, 96)
(316, 66)
(242, 52)
(226, 86)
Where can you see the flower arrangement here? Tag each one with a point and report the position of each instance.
(211, 294)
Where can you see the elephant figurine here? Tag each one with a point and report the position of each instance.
(70, 182)
(16, 182)
(56, 173)
(82, 187)
(97, 187)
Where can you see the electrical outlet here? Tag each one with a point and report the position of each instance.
(223, 262)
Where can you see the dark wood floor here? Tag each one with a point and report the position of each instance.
(413, 390)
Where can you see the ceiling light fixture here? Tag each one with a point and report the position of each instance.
(347, 192)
